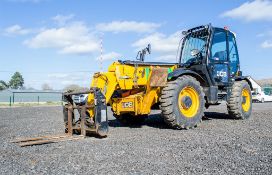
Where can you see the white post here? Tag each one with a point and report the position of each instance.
(101, 54)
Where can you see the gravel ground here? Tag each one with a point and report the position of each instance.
(218, 146)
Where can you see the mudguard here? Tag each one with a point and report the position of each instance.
(246, 78)
(181, 71)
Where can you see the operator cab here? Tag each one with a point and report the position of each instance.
(212, 53)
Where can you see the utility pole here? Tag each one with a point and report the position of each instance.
(101, 53)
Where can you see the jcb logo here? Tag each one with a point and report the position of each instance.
(127, 104)
(221, 74)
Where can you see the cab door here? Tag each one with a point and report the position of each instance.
(218, 59)
(233, 55)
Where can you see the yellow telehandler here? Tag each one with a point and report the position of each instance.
(208, 72)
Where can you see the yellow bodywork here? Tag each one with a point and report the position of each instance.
(131, 88)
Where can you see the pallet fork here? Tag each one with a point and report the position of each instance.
(100, 126)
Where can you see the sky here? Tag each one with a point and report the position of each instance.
(58, 42)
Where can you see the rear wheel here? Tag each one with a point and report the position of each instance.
(182, 103)
(240, 101)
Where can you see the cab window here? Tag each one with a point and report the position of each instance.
(219, 47)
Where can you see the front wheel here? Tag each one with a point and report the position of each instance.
(182, 103)
(240, 102)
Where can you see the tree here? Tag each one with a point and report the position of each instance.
(46, 87)
(74, 87)
(3, 85)
(16, 81)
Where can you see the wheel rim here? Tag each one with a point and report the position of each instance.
(188, 102)
(246, 100)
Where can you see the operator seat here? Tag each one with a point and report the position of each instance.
(220, 56)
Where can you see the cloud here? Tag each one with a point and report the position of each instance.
(160, 43)
(16, 30)
(266, 44)
(257, 10)
(265, 34)
(170, 58)
(73, 38)
(60, 80)
(73, 76)
(110, 56)
(127, 26)
(63, 19)
(58, 75)
(165, 46)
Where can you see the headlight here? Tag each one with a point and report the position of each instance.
(80, 99)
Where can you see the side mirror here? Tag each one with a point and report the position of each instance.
(148, 48)
(194, 52)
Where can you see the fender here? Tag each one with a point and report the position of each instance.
(246, 78)
(181, 71)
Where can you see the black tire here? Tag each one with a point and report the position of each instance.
(170, 105)
(236, 101)
(262, 101)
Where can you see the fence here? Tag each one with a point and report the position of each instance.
(12, 97)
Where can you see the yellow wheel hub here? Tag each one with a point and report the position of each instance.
(246, 100)
(188, 102)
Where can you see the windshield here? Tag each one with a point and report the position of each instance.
(195, 40)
